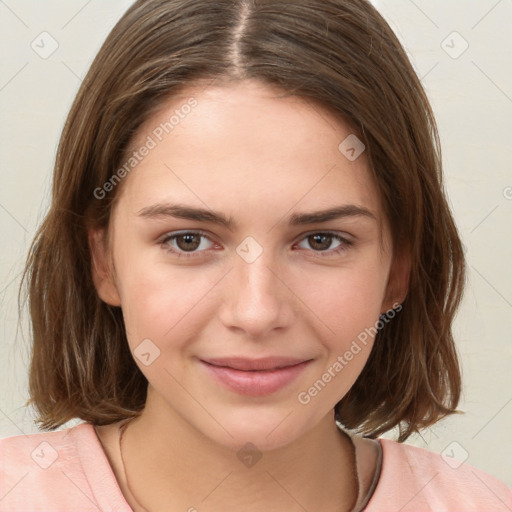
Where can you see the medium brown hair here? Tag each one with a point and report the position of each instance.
(338, 54)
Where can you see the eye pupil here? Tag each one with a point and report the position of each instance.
(190, 245)
(320, 239)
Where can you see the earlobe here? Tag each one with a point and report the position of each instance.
(101, 270)
(398, 281)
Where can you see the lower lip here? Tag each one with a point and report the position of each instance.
(255, 383)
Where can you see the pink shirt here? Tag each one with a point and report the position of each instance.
(68, 471)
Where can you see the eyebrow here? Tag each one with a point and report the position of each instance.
(162, 210)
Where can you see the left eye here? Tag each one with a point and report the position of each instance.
(321, 242)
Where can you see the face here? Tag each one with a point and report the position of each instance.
(249, 309)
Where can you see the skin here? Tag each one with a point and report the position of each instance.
(256, 158)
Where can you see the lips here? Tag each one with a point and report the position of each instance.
(247, 364)
(255, 377)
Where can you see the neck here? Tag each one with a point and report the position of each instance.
(171, 466)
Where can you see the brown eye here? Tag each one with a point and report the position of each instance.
(323, 243)
(320, 242)
(188, 242)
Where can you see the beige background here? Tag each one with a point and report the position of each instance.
(471, 92)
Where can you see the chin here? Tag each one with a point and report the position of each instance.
(266, 430)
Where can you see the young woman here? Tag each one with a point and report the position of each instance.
(248, 273)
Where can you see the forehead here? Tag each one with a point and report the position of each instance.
(246, 145)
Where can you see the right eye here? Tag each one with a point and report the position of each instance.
(185, 243)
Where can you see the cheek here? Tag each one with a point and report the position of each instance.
(164, 312)
(160, 300)
(349, 308)
(346, 300)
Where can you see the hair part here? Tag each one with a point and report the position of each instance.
(336, 54)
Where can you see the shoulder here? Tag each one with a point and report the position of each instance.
(59, 470)
(416, 479)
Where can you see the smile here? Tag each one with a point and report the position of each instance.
(255, 377)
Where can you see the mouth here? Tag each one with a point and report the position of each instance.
(255, 377)
(261, 364)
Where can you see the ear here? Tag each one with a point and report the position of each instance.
(398, 280)
(102, 273)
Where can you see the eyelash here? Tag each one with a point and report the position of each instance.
(345, 244)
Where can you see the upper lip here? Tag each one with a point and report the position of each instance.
(264, 363)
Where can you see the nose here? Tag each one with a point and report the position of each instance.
(257, 299)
